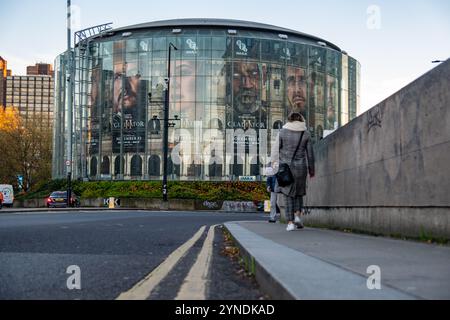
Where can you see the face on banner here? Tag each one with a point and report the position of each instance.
(246, 87)
(249, 105)
(128, 108)
(126, 88)
(296, 90)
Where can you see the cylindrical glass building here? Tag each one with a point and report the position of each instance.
(232, 86)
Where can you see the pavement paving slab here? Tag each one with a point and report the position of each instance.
(325, 264)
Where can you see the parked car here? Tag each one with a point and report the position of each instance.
(8, 194)
(58, 199)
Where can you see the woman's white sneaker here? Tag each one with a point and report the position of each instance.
(290, 227)
(298, 222)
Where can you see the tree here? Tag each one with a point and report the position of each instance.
(25, 149)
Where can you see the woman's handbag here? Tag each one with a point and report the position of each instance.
(284, 174)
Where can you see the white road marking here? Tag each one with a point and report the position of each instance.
(194, 285)
(143, 288)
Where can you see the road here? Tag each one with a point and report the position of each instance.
(119, 254)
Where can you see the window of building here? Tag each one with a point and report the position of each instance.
(105, 165)
(136, 166)
(154, 166)
(93, 167)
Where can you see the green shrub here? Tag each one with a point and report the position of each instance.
(201, 190)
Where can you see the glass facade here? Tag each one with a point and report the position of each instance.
(230, 93)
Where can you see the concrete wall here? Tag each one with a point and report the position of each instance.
(156, 204)
(392, 158)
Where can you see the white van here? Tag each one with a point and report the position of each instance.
(8, 194)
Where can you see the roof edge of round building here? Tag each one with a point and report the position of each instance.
(228, 23)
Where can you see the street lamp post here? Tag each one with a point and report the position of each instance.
(69, 75)
(166, 124)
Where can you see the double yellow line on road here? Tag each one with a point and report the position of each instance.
(194, 285)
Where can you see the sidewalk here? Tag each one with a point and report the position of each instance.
(324, 264)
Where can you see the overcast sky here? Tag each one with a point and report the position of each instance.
(395, 41)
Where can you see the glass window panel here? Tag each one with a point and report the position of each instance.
(218, 89)
(203, 54)
(218, 54)
(204, 43)
(175, 89)
(333, 62)
(316, 106)
(144, 61)
(246, 48)
(157, 90)
(204, 67)
(188, 84)
(177, 42)
(204, 32)
(160, 44)
(297, 54)
(132, 45)
(187, 114)
(175, 109)
(332, 103)
(273, 50)
(229, 48)
(189, 47)
(159, 54)
(145, 45)
(119, 53)
(94, 49)
(203, 89)
(186, 68)
(218, 44)
(106, 48)
(131, 65)
(218, 67)
(159, 68)
(276, 83)
(317, 59)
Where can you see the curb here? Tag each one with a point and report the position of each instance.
(268, 284)
(51, 210)
(28, 210)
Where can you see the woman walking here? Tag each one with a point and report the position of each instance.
(293, 146)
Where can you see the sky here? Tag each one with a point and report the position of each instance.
(394, 41)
